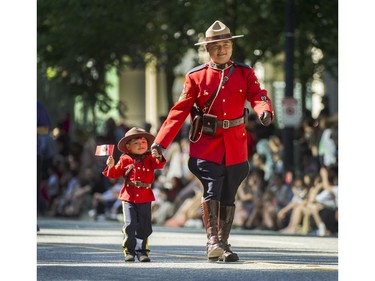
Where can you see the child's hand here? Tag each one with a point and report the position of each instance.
(110, 162)
(155, 154)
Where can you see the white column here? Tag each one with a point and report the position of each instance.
(151, 100)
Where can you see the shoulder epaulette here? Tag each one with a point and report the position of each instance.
(241, 64)
(197, 68)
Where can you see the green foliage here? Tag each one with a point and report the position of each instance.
(78, 40)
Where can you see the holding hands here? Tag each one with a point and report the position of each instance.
(156, 151)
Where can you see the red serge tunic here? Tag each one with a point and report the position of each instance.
(200, 83)
(143, 171)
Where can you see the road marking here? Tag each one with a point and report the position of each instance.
(296, 266)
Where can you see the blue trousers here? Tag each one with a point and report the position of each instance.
(137, 227)
(220, 182)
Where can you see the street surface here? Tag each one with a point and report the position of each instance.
(86, 250)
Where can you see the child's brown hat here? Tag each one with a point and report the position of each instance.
(134, 133)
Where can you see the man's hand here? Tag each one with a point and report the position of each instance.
(156, 150)
(265, 118)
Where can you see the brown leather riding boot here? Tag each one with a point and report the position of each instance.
(210, 210)
(225, 225)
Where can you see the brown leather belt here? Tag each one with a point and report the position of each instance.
(225, 124)
(139, 184)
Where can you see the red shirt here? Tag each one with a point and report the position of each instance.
(143, 171)
(229, 144)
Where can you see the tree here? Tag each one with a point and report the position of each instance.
(78, 41)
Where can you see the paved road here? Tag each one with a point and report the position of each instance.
(87, 250)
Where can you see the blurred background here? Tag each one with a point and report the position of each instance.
(106, 66)
(127, 59)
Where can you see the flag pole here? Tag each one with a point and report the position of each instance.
(109, 168)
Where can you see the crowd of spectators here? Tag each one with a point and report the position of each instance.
(298, 201)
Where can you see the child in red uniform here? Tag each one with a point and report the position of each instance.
(137, 165)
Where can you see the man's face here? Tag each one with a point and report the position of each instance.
(220, 52)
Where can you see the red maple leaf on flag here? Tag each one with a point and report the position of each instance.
(105, 149)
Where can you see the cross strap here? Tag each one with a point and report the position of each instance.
(135, 163)
(225, 79)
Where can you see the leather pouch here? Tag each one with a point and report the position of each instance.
(209, 123)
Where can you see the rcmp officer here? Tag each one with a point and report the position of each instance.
(137, 165)
(218, 147)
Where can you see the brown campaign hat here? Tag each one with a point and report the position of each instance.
(217, 32)
(134, 133)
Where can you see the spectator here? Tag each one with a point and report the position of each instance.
(69, 203)
(259, 161)
(324, 201)
(188, 213)
(250, 195)
(162, 207)
(251, 138)
(276, 196)
(328, 142)
(300, 192)
(46, 151)
(53, 187)
(106, 205)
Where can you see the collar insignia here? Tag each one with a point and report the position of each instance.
(220, 66)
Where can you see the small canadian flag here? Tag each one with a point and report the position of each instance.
(105, 149)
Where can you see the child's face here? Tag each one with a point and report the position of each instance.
(298, 183)
(137, 146)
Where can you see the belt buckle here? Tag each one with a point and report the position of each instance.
(137, 184)
(226, 124)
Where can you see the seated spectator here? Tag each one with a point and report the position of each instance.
(70, 201)
(106, 205)
(188, 191)
(276, 196)
(189, 213)
(258, 161)
(293, 211)
(299, 195)
(320, 206)
(248, 202)
(324, 202)
(163, 207)
(53, 186)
